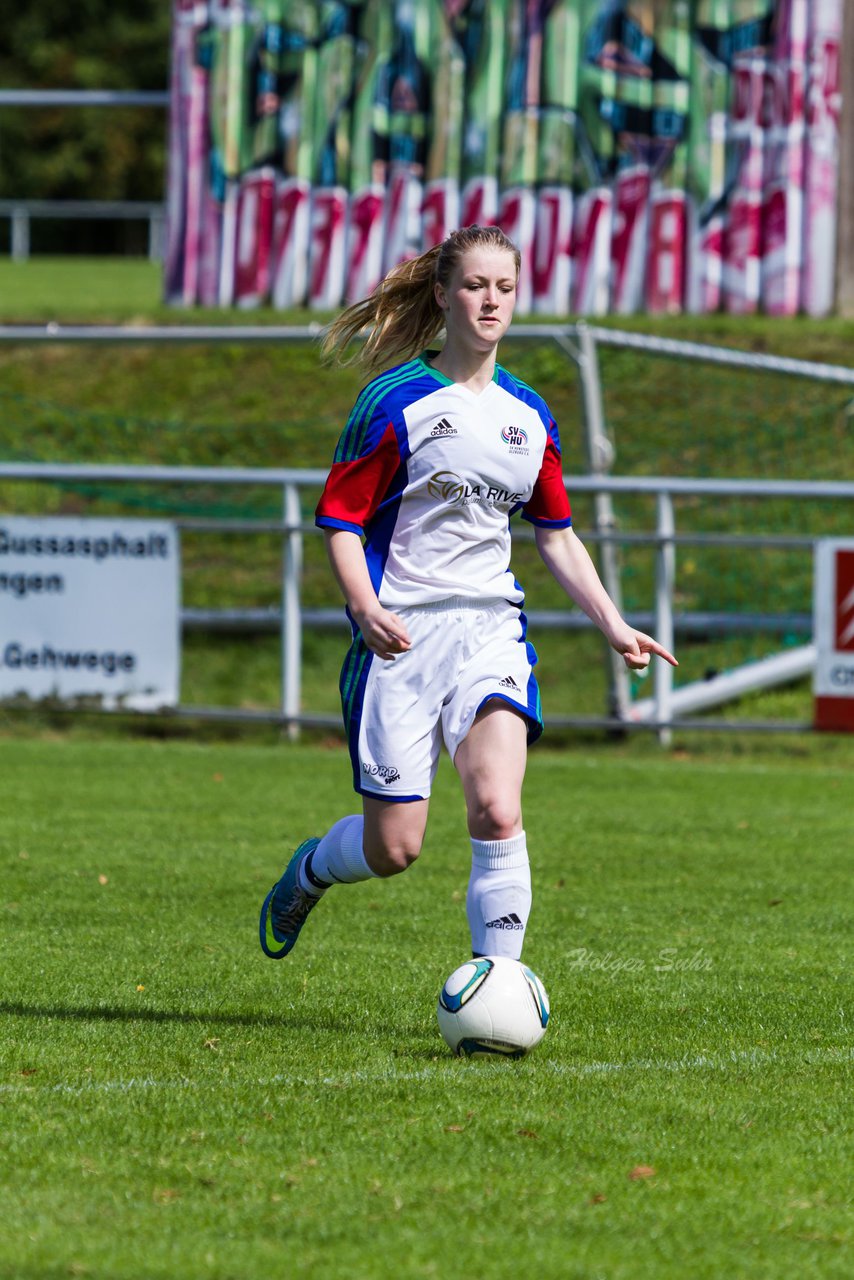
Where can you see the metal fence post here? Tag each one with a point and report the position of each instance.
(156, 235)
(600, 456)
(291, 622)
(20, 245)
(665, 576)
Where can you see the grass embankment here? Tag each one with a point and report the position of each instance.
(275, 405)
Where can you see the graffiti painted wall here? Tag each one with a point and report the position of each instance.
(646, 155)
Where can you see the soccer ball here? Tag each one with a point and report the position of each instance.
(493, 1007)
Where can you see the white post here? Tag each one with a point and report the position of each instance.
(291, 624)
(600, 457)
(156, 236)
(20, 235)
(664, 582)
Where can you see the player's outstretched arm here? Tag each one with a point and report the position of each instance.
(383, 632)
(567, 560)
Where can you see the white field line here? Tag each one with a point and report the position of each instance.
(752, 1058)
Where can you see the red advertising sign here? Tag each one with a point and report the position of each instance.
(833, 613)
(845, 601)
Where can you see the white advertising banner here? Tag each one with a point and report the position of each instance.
(833, 623)
(90, 608)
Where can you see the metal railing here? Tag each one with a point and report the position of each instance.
(21, 213)
(84, 98)
(292, 618)
(577, 341)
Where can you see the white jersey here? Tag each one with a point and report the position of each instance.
(430, 473)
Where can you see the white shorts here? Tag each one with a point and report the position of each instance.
(398, 712)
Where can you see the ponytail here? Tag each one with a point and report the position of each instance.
(401, 315)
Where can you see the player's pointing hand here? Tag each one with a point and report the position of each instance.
(640, 648)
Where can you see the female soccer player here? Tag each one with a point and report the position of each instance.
(437, 455)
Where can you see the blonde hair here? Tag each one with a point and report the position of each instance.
(402, 314)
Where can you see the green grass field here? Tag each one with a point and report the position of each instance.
(175, 1105)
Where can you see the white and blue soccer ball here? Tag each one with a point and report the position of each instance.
(493, 1007)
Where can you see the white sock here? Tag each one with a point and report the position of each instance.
(338, 859)
(498, 901)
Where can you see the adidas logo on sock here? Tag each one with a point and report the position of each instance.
(443, 428)
(508, 683)
(506, 922)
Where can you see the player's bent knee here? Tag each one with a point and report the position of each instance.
(495, 819)
(393, 835)
(390, 852)
(390, 860)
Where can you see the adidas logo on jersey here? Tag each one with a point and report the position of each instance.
(506, 922)
(508, 683)
(443, 428)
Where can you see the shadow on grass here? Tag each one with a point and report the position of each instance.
(297, 1020)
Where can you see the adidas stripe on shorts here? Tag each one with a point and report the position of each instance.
(398, 713)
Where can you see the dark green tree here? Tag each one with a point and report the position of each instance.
(90, 153)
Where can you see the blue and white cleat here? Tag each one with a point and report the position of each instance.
(286, 907)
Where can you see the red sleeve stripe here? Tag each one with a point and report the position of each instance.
(355, 489)
(549, 503)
